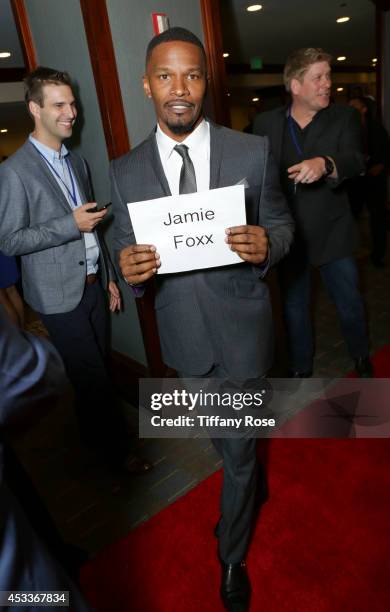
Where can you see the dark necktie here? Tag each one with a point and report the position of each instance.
(187, 175)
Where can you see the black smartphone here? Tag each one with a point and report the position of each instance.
(96, 209)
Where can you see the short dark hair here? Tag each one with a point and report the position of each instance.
(174, 34)
(35, 80)
(300, 61)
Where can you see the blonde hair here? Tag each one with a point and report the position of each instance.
(300, 61)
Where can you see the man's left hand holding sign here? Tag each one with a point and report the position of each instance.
(250, 242)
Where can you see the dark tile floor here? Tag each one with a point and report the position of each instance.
(92, 508)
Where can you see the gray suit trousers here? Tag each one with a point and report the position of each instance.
(240, 482)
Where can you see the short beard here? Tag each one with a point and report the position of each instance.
(184, 128)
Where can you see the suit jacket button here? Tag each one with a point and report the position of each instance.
(81, 263)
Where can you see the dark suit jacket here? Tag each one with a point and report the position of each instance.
(219, 315)
(325, 225)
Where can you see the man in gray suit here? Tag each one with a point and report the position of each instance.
(46, 217)
(215, 322)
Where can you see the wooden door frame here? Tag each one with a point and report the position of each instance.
(211, 20)
(24, 32)
(380, 15)
(102, 56)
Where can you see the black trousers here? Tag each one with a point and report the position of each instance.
(80, 336)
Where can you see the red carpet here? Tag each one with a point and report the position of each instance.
(322, 543)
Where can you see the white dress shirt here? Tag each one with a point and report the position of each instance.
(198, 143)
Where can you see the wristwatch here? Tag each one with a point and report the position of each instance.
(329, 165)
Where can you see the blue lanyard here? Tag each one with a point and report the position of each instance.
(72, 194)
(293, 134)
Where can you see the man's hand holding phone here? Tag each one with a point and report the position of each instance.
(88, 216)
(96, 209)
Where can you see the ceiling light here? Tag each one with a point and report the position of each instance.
(228, 94)
(340, 89)
(4, 131)
(374, 59)
(225, 55)
(254, 7)
(255, 99)
(4, 54)
(342, 19)
(341, 58)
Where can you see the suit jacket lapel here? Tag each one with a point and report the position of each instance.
(155, 161)
(47, 175)
(216, 148)
(320, 123)
(277, 134)
(81, 181)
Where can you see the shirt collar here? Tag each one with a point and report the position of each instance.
(315, 118)
(50, 154)
(194, 141)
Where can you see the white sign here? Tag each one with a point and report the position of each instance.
(188, 230)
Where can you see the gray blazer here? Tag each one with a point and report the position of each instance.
(220, 315)
(37, 223)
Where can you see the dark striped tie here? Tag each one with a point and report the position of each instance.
(187, 175)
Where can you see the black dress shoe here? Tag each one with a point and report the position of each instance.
(235, 587)
(363, 367)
